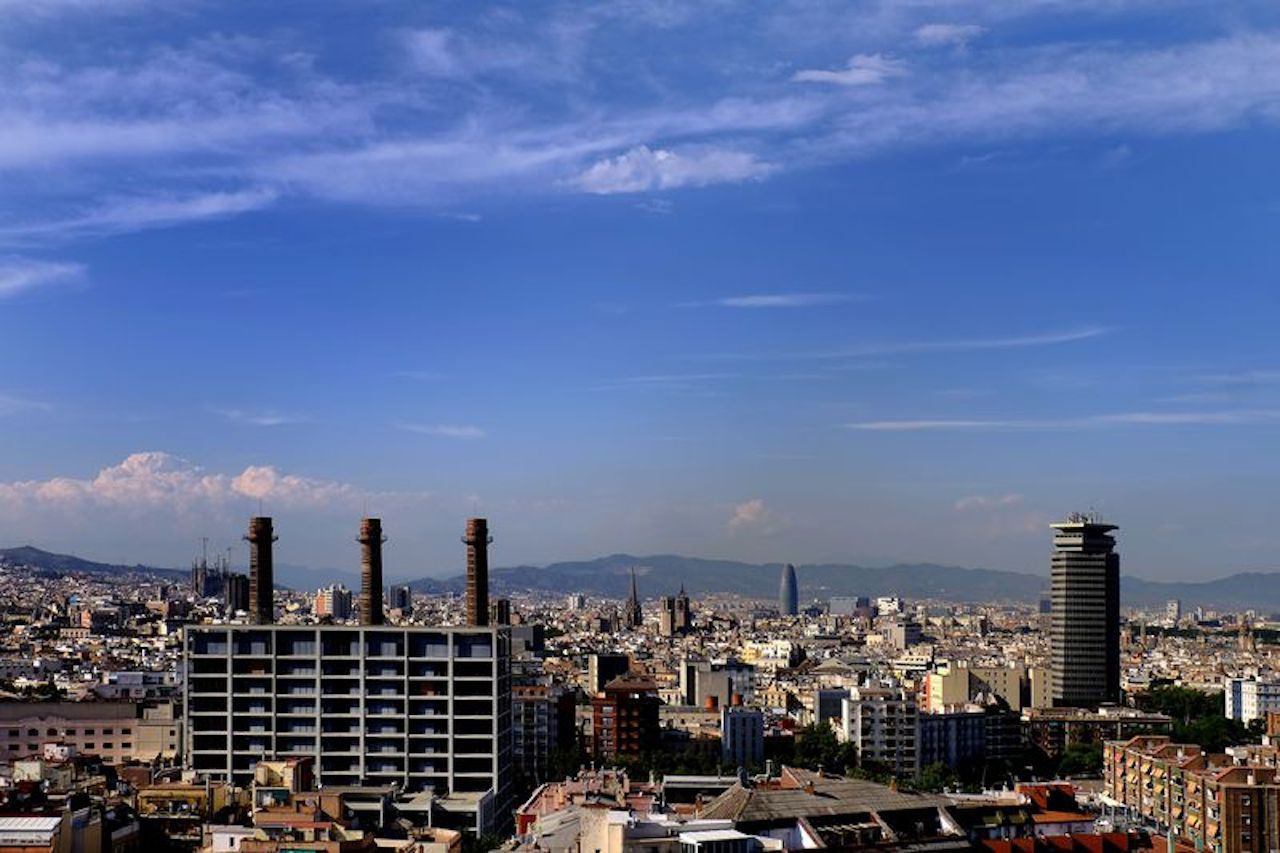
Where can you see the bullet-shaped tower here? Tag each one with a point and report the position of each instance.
(371, 540)
(262, 583)
(477, 540)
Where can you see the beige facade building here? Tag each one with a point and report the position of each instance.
(1225, 803)
(116, 731)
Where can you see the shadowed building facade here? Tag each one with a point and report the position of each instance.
(1085, 624)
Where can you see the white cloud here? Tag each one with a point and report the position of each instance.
(158, 481)
(987, 502)
(755, 517)
(122, 215)
(942, 35)
(465, 432)
(265, 418)
(21, 275)
(642, 169)
(1040, 339)
(776, 300)
(12, 404)
(1245, 417)
(862, 70)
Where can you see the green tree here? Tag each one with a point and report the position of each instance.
(937, 777)
(818, 748)
(1081, 759)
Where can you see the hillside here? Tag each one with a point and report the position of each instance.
(68, 564)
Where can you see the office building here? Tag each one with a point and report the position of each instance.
(419, 707)
(1248, 699)
(1085, 625)
(1173, 611)
(401, 598)
(741, 737)
(788, 592)
(333, 602)
(849, 605)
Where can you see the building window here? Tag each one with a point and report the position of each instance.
(126, 731)
(33, 732)
(108, 731)
(71, 732)
(108, 745)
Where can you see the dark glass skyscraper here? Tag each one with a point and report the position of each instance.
(788, 595)
(1085, 623)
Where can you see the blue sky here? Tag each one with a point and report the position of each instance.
(818, 281)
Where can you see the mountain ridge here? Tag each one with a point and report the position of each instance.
(664, 574)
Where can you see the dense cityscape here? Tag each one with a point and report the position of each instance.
(639, 426)
(219, 712)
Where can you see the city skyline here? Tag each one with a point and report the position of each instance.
(874, 285)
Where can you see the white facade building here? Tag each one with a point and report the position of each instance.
(1251, 698)
(883, 725)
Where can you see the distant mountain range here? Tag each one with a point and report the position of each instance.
(664, 575)
(67, 564)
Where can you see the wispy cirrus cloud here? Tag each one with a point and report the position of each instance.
(123, 215)
(981, 502)
(943, 35)
(642, 169)
(22, 275)
(861, 70)
(510, 107)
(941, 345)
(1245, 417)
(776, 300)
(261, 418)
(458, 431)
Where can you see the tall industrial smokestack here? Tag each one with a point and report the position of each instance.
(477, 541)
(262, 589)
(371, 571)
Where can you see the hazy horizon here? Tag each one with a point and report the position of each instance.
(819, 282)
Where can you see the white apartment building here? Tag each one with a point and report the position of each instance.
(1251, 698)
(883, 725)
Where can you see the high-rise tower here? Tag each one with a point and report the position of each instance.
(788, 595)
(1085, 621)
(477, 540)
(262, 583)
(371, 540)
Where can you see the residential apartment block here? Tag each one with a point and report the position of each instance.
(418, 707)
(1226, 803)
